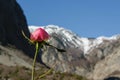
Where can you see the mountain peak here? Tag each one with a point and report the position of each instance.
(73, 40)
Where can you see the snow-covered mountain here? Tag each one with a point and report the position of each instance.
(83, 56)
(71, 39)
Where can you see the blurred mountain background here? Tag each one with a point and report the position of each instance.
(84, 59)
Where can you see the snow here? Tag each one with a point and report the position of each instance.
(75, 40)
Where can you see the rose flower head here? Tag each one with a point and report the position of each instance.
(39, 35)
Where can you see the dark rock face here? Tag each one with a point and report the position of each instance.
(12, 22)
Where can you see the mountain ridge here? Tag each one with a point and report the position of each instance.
(77, 42)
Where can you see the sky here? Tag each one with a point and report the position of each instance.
(87, 18)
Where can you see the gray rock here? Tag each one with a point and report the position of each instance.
(108, 67)
(71, 61)
(93, 65)
(11, 56)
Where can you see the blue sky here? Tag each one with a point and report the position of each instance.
(87, 18)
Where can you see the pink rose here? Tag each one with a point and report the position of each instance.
(39, 35)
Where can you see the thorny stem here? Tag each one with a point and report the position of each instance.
(34, 61)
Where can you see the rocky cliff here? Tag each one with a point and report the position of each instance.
(12, 22)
